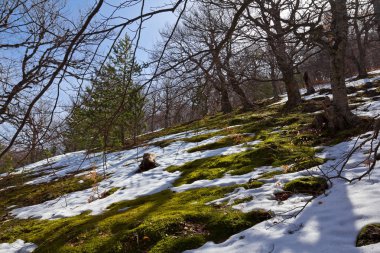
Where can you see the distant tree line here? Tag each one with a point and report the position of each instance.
(231, 54)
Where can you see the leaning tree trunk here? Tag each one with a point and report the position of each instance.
(292, 89)
(285, 64)
(225, 101)
(247, 105)
(234, 82)
(286, 68)
(338, 114)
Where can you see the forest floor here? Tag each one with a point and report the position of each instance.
(243, 182)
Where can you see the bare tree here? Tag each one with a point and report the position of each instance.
(41, 48)
(334, 37)
(361, 23)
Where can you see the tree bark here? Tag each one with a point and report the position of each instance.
(376, 6)
(285, 64)
(225, 101)
(247, 105)
(360, 60)
(309, 87)
(276, 92)
(338, 114)
(292, 89)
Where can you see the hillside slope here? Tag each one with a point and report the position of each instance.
(243, 182)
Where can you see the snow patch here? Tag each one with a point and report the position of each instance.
(19, 246)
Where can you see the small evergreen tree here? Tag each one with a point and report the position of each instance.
(112, 109)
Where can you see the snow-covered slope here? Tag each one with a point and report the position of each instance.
(329, 223)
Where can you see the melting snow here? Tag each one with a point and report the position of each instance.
(120, 168)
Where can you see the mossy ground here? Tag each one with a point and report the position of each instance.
(277, 150)
(163, 222)
(369, 234)
(31, 194)
(231, 140)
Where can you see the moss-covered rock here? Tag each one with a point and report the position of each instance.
(307, 185)
(252, 184)
(369, 234)
(243, 200)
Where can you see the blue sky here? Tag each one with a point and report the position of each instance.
(150, 33)
(151, 28)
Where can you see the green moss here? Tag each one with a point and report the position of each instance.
(32, 194)
(109, 192)
(162, 222)
(369, 234)
(303, 165)
(243, 200)
(202, 137)
(277, 149)
(164, 143)
(225, 142)
(271, 174)
(176, 244)
(252, 184)
(15, 179)
(308, 185)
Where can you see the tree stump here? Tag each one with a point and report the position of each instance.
(148, 162)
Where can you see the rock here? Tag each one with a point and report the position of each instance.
(311, 106)
(368, 85)
(319, 121)
(324, 91)
(351, 90)
(148, 162)
(371, 93)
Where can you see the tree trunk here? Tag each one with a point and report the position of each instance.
(309, 87)
(285, 64)
(276, 92)
(292, 89)
(122, 136)
(153, 115)
(247, 105)
(286, 68)
(167, 117)
(338, 114)
(376, 6)
(225, 102)
(362, 64)
(360, 60)
(233, 80)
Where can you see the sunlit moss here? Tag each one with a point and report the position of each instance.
(308, 185)
(163, 222)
